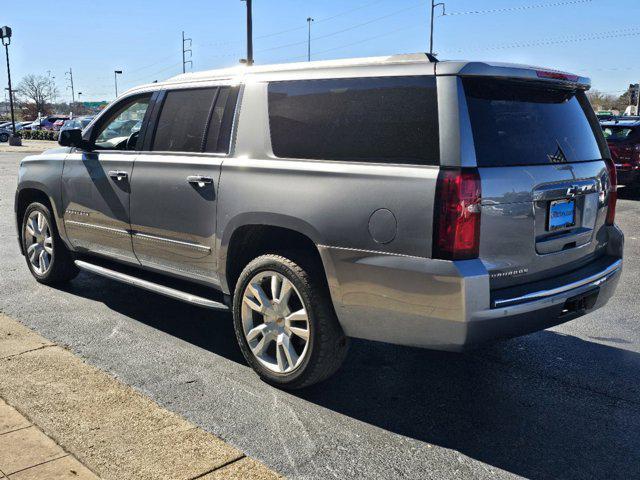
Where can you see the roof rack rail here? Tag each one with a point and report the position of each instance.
(412, 57)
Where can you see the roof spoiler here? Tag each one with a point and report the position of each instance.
(519, 72)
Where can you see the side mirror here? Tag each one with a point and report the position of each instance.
(73, 138)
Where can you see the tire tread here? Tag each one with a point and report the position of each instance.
(331, 345)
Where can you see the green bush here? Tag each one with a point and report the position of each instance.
(40, 135)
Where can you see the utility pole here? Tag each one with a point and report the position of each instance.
(249, 59)
(186, 50)
(309, 20)
(115, 79)
(433, 9)
(70, 78)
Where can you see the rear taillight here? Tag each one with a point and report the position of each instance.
(456, 234)
(613, 191)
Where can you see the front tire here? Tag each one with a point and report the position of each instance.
(47, 257)
(285, 323)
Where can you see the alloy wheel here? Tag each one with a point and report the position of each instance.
(275, 322)
(38, 241)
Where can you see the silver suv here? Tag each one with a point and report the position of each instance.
(397, 199)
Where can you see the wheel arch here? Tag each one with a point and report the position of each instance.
(250, 235)
(27, 194)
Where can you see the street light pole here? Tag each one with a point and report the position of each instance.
(309, 20)
(5, 35)
(115, 79)
(433, 9)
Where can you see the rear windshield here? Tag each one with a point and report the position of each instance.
(618, 134)
(515, 123)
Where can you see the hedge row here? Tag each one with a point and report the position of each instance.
(39, 135)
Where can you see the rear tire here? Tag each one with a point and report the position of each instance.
(48, 259)
(4, 137)
(285, 323)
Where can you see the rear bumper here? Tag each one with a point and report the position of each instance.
(544, 309)
(448, 305)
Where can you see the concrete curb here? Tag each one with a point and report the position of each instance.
(115, 431)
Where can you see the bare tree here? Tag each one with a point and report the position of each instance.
(36, 93)
(600, 100)
(622, 102)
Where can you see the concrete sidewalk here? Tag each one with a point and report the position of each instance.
(113, 430)
(28, 454)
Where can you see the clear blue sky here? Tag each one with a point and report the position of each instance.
(598, 38)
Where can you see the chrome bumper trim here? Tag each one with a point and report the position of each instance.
(593, 280)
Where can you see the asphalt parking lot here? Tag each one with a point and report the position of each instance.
(562, 403)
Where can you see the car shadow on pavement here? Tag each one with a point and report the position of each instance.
(208, 329)
(543, 406)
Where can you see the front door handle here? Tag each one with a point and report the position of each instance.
(199, 180)
(118, 175)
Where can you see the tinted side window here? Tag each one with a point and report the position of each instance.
(183, 120)
(219, 134)
(391, 120)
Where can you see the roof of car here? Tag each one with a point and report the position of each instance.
(412, 64)
(621, 123)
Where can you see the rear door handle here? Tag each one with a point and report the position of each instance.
(118, 175)
(199, 180)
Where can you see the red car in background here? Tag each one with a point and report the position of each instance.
(623, 138)
(57, 125)
(48, 122)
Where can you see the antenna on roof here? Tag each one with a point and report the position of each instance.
(249, 59)
(435, 5)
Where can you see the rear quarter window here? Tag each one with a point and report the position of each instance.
(518, 123)
(382, 120)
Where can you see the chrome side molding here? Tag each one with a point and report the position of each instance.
(152, 287)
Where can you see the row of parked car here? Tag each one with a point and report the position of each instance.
(50, 122)
(623, 137)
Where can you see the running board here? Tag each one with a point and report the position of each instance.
(151, 286)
